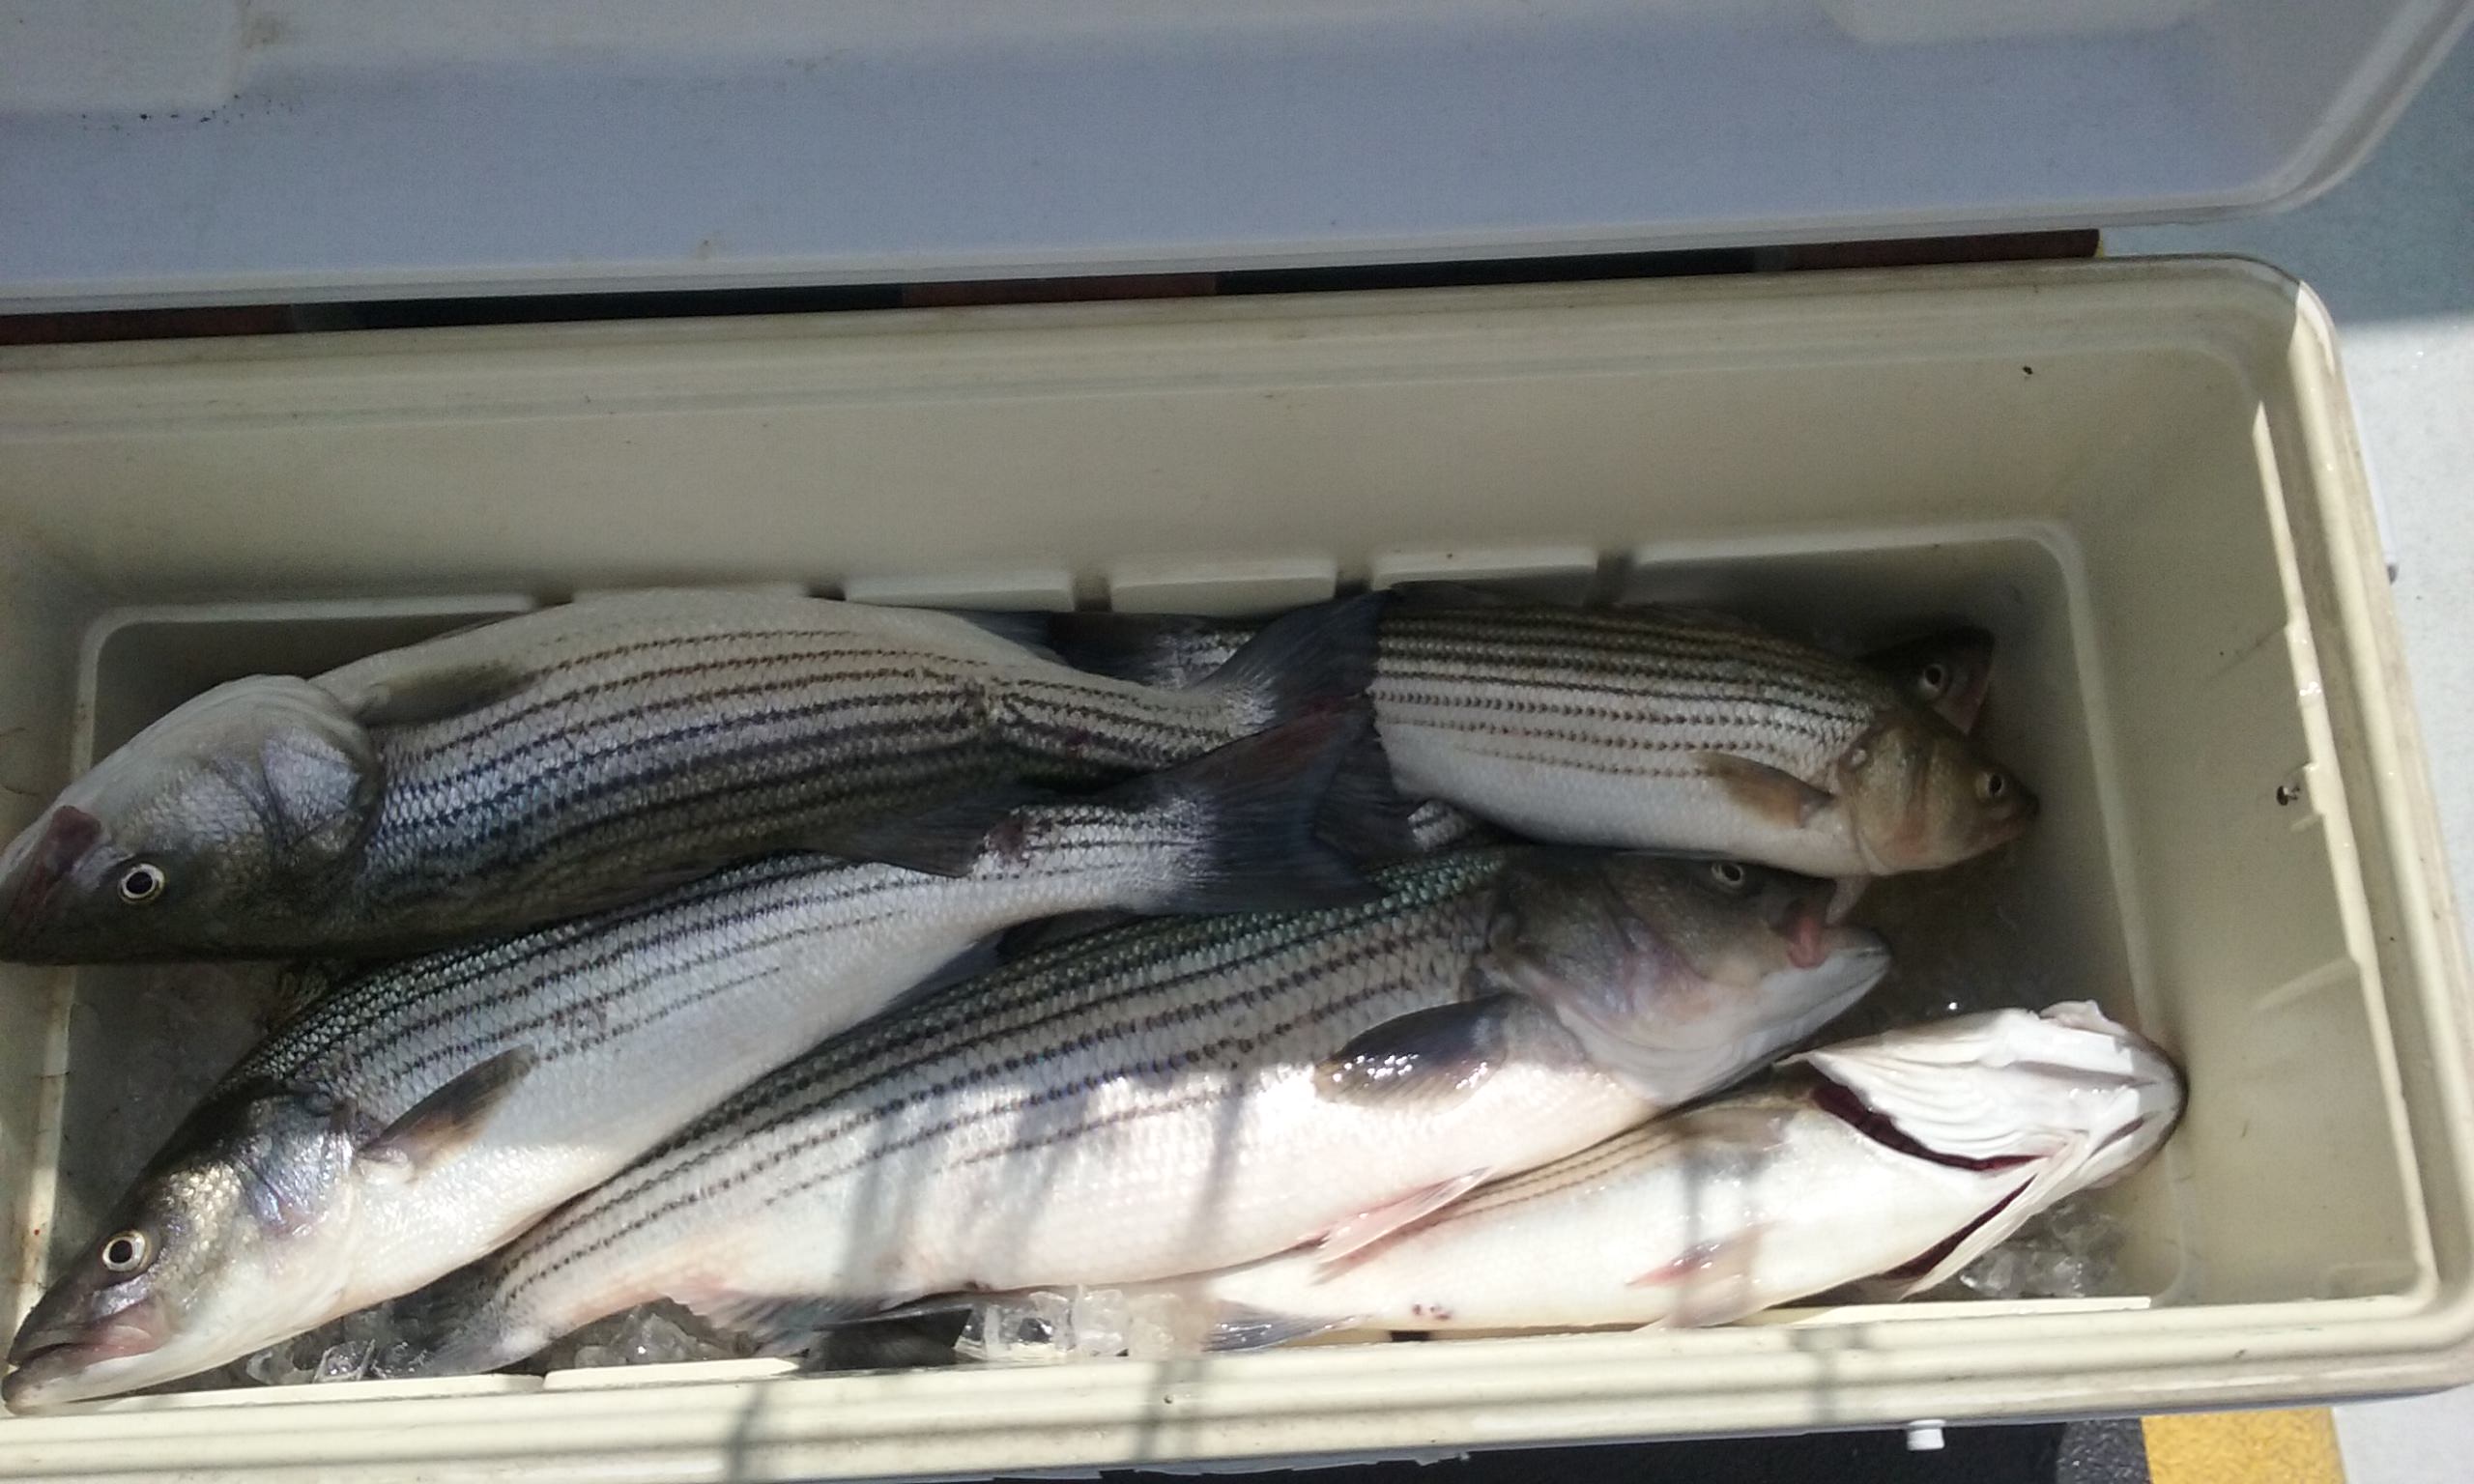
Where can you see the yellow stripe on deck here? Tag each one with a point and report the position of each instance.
(2244, 1448)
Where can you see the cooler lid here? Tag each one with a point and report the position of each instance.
(160, 152)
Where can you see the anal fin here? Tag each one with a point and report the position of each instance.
(1714, 1279)
(1372, 1225)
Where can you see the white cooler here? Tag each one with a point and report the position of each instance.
(2140, 474)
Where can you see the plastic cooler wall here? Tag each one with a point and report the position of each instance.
(2092, 460)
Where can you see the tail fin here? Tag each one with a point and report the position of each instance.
(1171, 650)
(1260, 808)
(1306, 661)
(1363, 817)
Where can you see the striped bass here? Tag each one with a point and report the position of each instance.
(566, 759)
(412, 1117)
(1899, 1158)
(1171, 1095)
(1660, 729)
(1946, 671)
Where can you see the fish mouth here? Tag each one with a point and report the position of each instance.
(38, 861)
(49, 1364)
(2024, 810)
(1813, 938)
(1859, 950)
(1806, 935)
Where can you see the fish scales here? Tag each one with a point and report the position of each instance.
(1889, 1163)
(655, 956)
(417, 1114)
(1620, 692)
(1144, 1100)
(1107, 1010)
(1646, 727)
(1651, 727)
(570, 759)
(757, 722)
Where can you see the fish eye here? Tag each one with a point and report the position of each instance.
(127, 1251)
(1935, 676)
(1730, 874)
(141, 883)
(1990, 786)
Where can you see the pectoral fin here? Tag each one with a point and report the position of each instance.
(1440, 1052)
(1779, 797)
(439, 1127)
(1370, 1226)
(1714, 1279)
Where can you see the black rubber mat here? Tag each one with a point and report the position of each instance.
(2102, 1452)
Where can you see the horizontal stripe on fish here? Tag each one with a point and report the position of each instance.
(1142, 1096)
(415, 1115)
(566, 759)
(1657, 729)
(1888, 1165)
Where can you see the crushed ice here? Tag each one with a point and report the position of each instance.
(1045, 1327)
(656, 1334)
(2070, 1251)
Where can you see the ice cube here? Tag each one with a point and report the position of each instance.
(268, 1367)
(346, 1361)
(1154, 1329)
(2066, 1252)
(649, 1337)
(1100, 1317)
(396, 1358)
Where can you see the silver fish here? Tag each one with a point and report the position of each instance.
(1948, 672)
(1667, 729)
(1171, 1096)
(570, 759)
(409, 1120)
(1900, 1158)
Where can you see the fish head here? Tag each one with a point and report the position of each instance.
(1919, 796)
(2065, 1085)
(233, 807)
(237, 1237)
(1676, 974)
(1947, 672)
(2064, 1099)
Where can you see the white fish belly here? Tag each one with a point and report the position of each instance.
(1724, 1225)
(1593, 794)
(575, 1120)
(1139, 1182)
